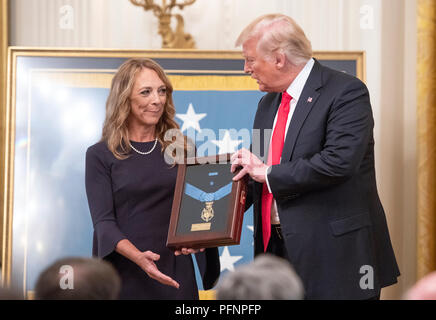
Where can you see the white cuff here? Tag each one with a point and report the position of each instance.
(266, 178)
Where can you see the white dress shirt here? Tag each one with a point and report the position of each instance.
(294, 90)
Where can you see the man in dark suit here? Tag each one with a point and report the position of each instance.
(314, 194)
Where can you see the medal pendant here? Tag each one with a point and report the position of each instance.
(207, 213)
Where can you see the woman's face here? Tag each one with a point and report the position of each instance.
(147, 99)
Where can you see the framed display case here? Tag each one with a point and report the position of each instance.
(208, 207)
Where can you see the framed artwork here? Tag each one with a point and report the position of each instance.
(208, 207)
(55, 111)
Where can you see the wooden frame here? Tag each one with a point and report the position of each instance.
(180, 64)
(206, 233)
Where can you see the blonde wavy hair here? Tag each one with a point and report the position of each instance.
(278, 32)
(118, 107)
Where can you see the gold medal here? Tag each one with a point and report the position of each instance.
(207, 213)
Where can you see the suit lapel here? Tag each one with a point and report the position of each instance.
(307, 100)
(267, 112)
(267, 124)
(270, 112)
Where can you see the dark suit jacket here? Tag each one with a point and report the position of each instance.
(332, 220)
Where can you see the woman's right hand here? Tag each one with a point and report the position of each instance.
(146, 261)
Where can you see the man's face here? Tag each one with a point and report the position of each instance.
(263, 70)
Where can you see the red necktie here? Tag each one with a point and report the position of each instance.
(274, 155)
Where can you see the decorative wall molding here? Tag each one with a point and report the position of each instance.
(4, 40)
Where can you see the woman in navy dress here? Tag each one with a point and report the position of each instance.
(130, 183)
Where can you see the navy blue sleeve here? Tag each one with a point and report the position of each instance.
(100, 200)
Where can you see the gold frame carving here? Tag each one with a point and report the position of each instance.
(4, 42)
(176, 38)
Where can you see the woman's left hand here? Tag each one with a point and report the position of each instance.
(187, 251)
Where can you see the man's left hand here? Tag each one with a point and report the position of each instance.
(250, 164)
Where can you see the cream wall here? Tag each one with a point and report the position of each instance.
(385, 30)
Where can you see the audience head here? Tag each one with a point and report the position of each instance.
(424, 289)
(266, 278)
(78, 279)
(10, 294)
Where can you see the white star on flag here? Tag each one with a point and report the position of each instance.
(251, 228)
(227, 261)
(191, 119)
(227, 145)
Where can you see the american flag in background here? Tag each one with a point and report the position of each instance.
(220, 122)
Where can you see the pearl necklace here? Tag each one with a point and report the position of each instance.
(147, 152)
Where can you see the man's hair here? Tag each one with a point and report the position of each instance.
(92, 279)
(266, 278)
(278, 32)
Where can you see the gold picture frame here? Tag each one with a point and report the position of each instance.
(4, 41)
(224, 70)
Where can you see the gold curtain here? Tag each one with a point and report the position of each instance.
(426, 78)
(3, 74)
